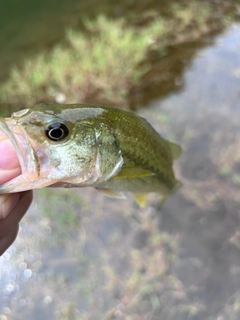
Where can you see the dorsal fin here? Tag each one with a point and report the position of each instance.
(175, 150)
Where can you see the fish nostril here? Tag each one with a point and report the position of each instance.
(32, 120)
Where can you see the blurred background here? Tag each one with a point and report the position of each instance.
(83, 256)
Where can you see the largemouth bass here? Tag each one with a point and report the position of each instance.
(79, 145)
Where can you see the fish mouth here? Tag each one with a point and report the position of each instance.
(18, 160)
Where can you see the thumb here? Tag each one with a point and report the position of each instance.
(9, 164)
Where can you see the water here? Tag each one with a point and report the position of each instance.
(205, 213)
(108, 259)
(211, 82)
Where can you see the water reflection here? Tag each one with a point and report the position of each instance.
(211, 82)
(121, 261)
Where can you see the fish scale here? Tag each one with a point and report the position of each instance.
(152, 153)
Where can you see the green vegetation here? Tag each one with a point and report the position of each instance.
(98, 64)
(102, 63)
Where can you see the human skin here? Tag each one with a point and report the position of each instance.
(12, 206)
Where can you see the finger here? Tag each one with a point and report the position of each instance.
(9, 164)
(13, 218)
(8, 240)
(9, 174)
(7, 203)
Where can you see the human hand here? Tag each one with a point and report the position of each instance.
(12, 206)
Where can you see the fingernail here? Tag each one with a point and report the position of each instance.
(7, 203)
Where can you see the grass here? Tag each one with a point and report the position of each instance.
(103, 62)
(99, 64)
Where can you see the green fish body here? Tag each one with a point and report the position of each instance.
(82, 145)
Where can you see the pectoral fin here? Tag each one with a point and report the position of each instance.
(140, 198)
(133, 172)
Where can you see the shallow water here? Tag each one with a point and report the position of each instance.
(108, 259)
(211, 82)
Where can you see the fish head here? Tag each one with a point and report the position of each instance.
(59, 146)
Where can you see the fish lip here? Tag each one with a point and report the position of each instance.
(4, 127)
(22, 146)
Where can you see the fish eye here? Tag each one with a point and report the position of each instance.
(57, 131)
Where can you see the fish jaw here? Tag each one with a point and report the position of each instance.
(10, 130)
